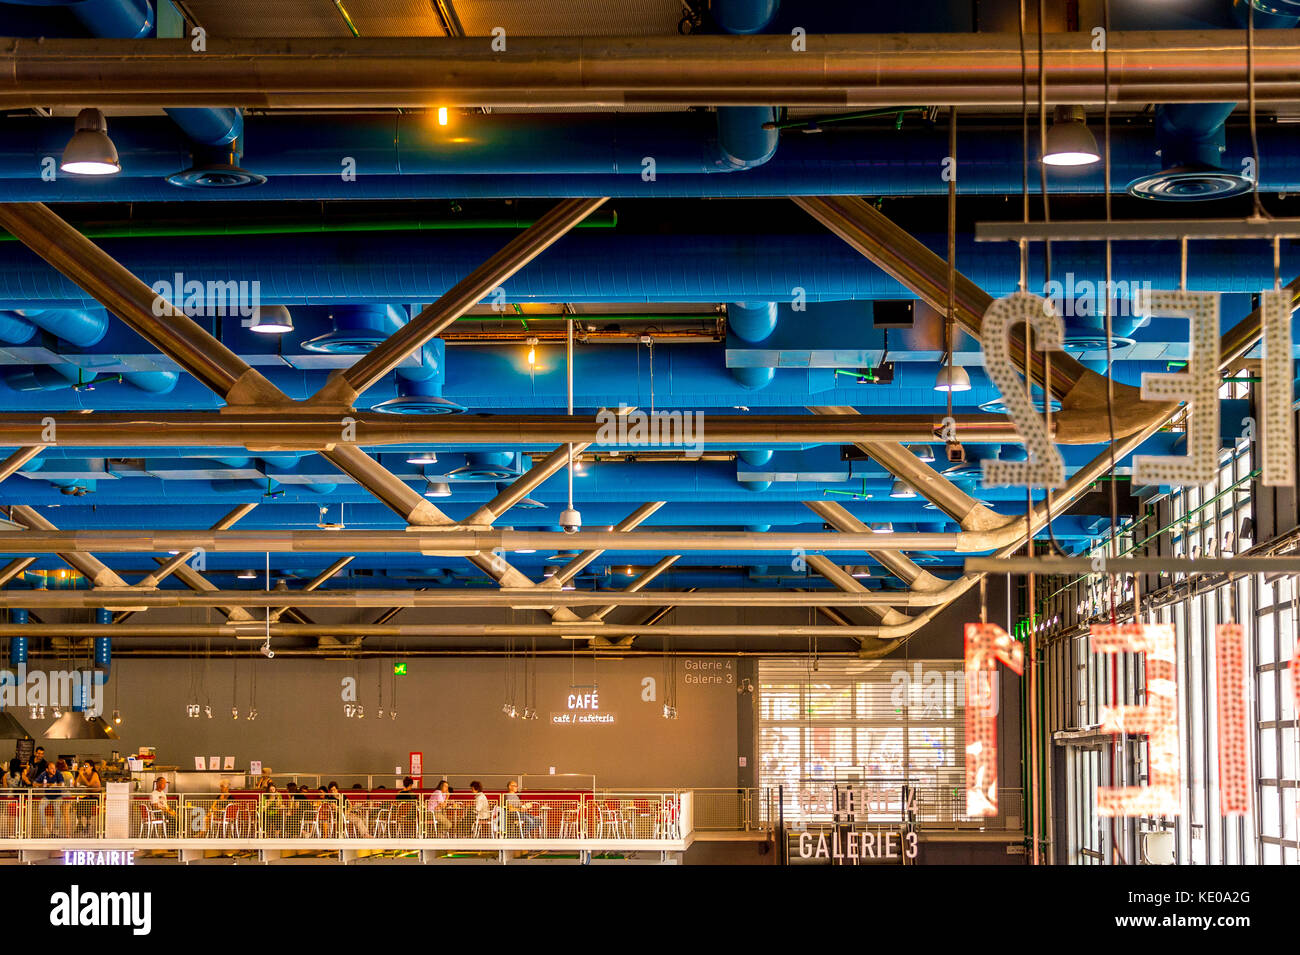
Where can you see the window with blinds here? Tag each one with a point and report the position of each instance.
(871, 722)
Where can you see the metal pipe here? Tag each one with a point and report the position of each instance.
(15, 461)
(851, 595)
(462, 543)
(312, 584)
(344, 388)
(970, 514)
(168, 567)
(14, 568)
(291, 430)
(579, 630)
(581, 560)
(642, 579)
(525, 485)
(86, 564)
(156, 320)
(856, 71)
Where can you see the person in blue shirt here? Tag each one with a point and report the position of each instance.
(51, 781)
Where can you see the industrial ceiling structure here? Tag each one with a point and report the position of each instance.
(439, 324)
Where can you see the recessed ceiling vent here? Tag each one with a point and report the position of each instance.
(1190, 184)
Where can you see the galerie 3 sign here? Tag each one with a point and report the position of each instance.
(987, 645)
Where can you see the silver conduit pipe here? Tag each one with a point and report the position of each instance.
(1168, 66)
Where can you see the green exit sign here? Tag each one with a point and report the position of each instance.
(399, 669)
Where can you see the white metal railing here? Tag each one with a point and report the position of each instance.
(311, 817)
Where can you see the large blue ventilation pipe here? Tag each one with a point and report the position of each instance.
(84, 328)
(1190, 137)
(752, 323)
(407, 145)
(584, 267)
(838, 162)
(132, 20)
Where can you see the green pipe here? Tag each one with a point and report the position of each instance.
(597, 220)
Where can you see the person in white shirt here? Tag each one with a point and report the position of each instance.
(482, 808)
(158, 798)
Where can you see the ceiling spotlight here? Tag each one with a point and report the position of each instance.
(951, 377)
(532, 352)
(90, 152)
(207, 711)
(422, 458)
(900, 489)
(442, 116)
(883, 527)
(117, 717)
(923, 452)
(247, 575)
(1069, 141)
(437, 489)
(271, 320)
(252, 713)
(578, 466)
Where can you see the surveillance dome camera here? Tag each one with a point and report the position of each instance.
(570, 520)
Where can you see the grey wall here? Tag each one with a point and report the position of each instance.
(448, 708)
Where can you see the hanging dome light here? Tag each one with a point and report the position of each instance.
(901, 489)
(271, 320)
(951, 377)
(90, 152)
(422, 458)
(883, 527)
(1069, 141)
(437, 489)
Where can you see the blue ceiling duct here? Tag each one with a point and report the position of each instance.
(838, 162)
(1190, 137)
(614, 144)
(583, 267)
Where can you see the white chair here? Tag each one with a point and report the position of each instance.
(571, 824)
(154, 822)
(228, 824)
(383, 827)
(614, 821)
(494, 825)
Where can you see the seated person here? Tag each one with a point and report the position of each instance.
(217, 811)
(515, 811)
(408, 805)
(158, 798)
(14, 777)
(354, 817)
(438, 806)
(482, 808)
(35, 766)
(273, 811)
(51, 780)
